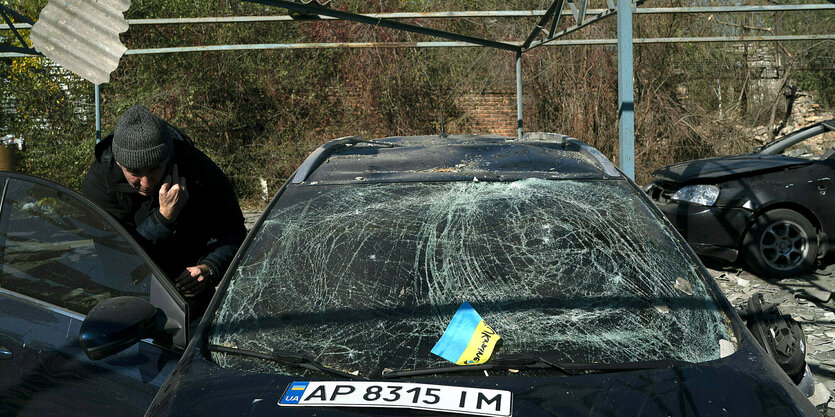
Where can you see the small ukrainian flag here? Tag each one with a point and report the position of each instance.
(298, 386)
(466, 340)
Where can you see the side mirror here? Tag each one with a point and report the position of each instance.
(116, 324)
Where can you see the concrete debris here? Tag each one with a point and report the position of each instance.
(683, 285)
(814, 294)
(808, 299)
(726, 348)
(821, 395)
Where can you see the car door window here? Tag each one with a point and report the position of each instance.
(815, 147)
(59, 249)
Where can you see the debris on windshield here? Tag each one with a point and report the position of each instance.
(726, 348)
(683, 285)
(467, 340)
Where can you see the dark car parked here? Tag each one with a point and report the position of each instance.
(59, 256)
(775, 206)
(338, 299)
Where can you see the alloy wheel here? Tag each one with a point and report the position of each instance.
(784, 245)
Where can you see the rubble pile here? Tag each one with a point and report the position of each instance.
(805, 112)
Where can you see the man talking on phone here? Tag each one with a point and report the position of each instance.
(172, 198)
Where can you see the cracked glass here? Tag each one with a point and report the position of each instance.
(363, 277)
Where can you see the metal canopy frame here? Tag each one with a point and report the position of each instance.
(27, 50)
(322, 11)
(550, 19)
(544, 33)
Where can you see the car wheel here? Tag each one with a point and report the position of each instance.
(781, 243)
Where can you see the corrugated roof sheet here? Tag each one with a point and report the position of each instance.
(83, 36)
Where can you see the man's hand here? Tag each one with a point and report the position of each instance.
(172, 195)
(193, 280)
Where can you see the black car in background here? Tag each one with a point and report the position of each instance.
(354, 273)
(775, 207)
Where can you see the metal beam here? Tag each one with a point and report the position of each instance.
(519, 95)
(12, 51)
(5, 11)
(700, 39)
(472, 14)
(581, 13)
(419, 45)
(287, 18)
(626, 100)
(735, 9)
(552, 13)
(574, 11)
(466, 14)
(16, 15)
(556, 21)
(316, 10)
(326, 45)
(554, 36)
(97, 93)
(391, 16)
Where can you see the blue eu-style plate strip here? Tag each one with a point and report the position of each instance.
(458, 333)
(294, 393)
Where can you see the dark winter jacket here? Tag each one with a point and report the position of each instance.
(208, 230)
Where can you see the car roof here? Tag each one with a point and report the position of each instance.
(454, 158)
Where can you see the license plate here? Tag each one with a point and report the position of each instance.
(444, 398)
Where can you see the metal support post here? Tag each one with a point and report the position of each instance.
(98, 113)
(626, 98)
(519, 95)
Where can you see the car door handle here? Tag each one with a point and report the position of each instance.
(5, 353)
(823, 184)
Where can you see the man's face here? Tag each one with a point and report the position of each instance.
(145, 180)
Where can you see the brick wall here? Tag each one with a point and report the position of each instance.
(489, 112)
(486, 112)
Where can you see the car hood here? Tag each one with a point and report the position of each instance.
(743, 384)
(726, 167)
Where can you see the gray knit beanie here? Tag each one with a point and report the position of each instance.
(141, 140)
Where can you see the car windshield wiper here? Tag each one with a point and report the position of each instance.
(535, 362)
(289, 358)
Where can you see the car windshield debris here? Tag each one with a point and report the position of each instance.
(367, 276)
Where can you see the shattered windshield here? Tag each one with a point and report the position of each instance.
(364, 277)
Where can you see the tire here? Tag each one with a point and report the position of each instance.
(779, 335)
(781, 243)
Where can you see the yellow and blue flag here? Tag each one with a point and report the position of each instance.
(466, 340)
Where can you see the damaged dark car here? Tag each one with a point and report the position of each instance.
(573, 293)
(773, 207)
